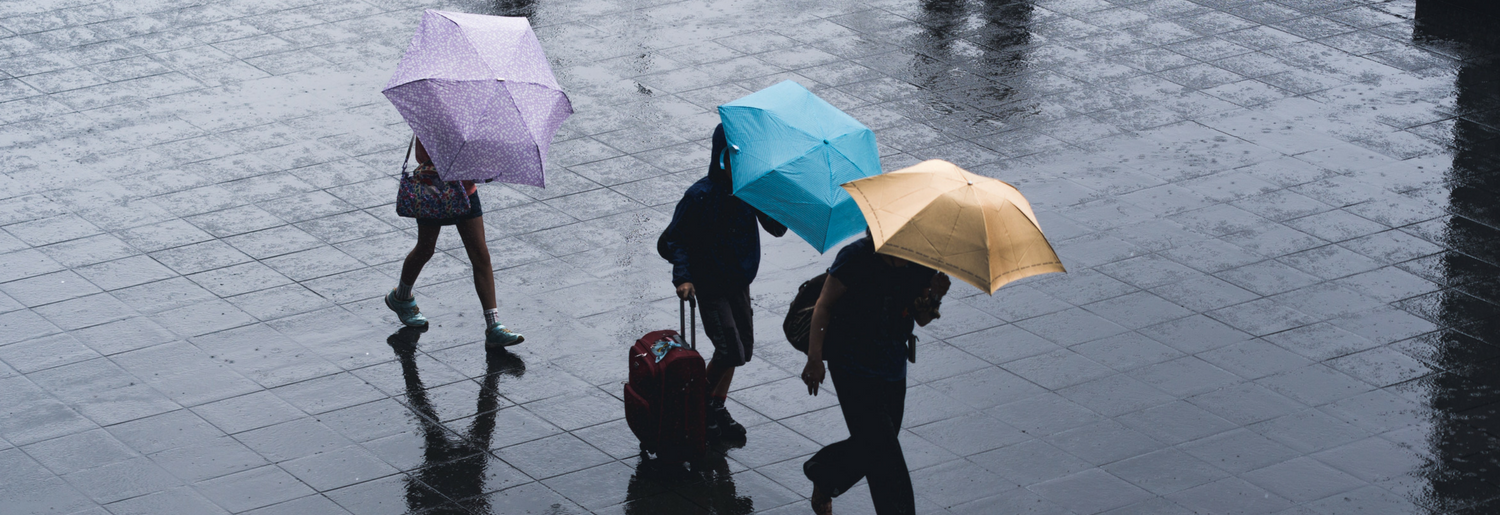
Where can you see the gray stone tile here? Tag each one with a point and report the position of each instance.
(1105, 491)
(1029, 462)
(1138, 310)
(101, 391)
(1241, 495)
(181, 499)
(1262, 317)
(954, 483)
(1057, 369)
(1127, 351)
(1212, 255)
(122, 480)
(47, 289)
(1165, 471)
(1302, 479)
(1071, 327)
(79, 451)
(1315, 384)
(1253, 359)
(336, 468)
(1115, 395)
(1309, 431)
(533, 458)
(1103, 442)
(1381, 366)
(45, 352)
(1336, 225)
(88, 250)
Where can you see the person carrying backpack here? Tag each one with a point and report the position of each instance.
(862, 324)
(713, 244)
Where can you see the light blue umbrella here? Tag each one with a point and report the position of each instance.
(790, 151)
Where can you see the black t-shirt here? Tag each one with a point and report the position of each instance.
(872, 320)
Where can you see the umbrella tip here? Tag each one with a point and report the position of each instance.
(971, 183)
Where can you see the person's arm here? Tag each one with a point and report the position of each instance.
(812, 374)
(772, 226)
(674, 239)
(935, 291)
(422, 156)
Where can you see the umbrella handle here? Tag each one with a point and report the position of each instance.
(726, 151)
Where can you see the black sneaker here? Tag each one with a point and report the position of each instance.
(721, 424)
(711, 425)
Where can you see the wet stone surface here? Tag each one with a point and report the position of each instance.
(1278, 216)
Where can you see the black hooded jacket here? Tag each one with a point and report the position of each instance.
(712, 241)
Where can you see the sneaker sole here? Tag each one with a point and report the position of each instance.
(491, 345)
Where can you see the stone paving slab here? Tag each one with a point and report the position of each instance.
(1278, 219)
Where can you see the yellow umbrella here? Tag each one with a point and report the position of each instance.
(975, 228)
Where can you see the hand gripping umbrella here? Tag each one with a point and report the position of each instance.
(479, 93)
(977, 229)
(791, 151)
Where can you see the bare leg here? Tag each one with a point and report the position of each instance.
(719, 380)
(472, 232)
(427, 236)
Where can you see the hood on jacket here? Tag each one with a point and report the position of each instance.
(717, 156)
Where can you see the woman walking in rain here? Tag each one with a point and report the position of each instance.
(471, 229)
(862, 324)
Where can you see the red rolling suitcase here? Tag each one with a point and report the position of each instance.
(665, 399)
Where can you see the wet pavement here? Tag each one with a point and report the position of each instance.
(1279, 218)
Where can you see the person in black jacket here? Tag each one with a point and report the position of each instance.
(862, 324)
(714, 246)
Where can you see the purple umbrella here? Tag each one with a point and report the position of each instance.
(479, 93)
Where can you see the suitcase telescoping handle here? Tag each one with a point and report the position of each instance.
(687, 308)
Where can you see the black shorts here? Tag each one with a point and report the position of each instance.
(475, 211)
(727, 320)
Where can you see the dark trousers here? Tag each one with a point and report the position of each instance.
(729, 322)
(872, 410)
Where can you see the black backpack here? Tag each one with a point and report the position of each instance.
(798, 323)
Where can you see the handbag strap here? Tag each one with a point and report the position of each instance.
(407, 161)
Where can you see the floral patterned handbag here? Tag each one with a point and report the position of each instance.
(424, 195)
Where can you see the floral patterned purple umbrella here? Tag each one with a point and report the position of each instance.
(479, 93)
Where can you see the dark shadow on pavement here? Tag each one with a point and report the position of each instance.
(661, 488)
(1465, 396)
(453, 464)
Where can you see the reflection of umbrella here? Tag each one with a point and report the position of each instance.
(792, 151)
(479, 93)
(973, 227)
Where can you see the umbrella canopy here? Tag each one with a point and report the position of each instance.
(479, 93)
(975, 228)
(791, 151)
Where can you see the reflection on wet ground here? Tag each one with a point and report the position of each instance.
(453, 467)
(1464, 395)
(1279, 217)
